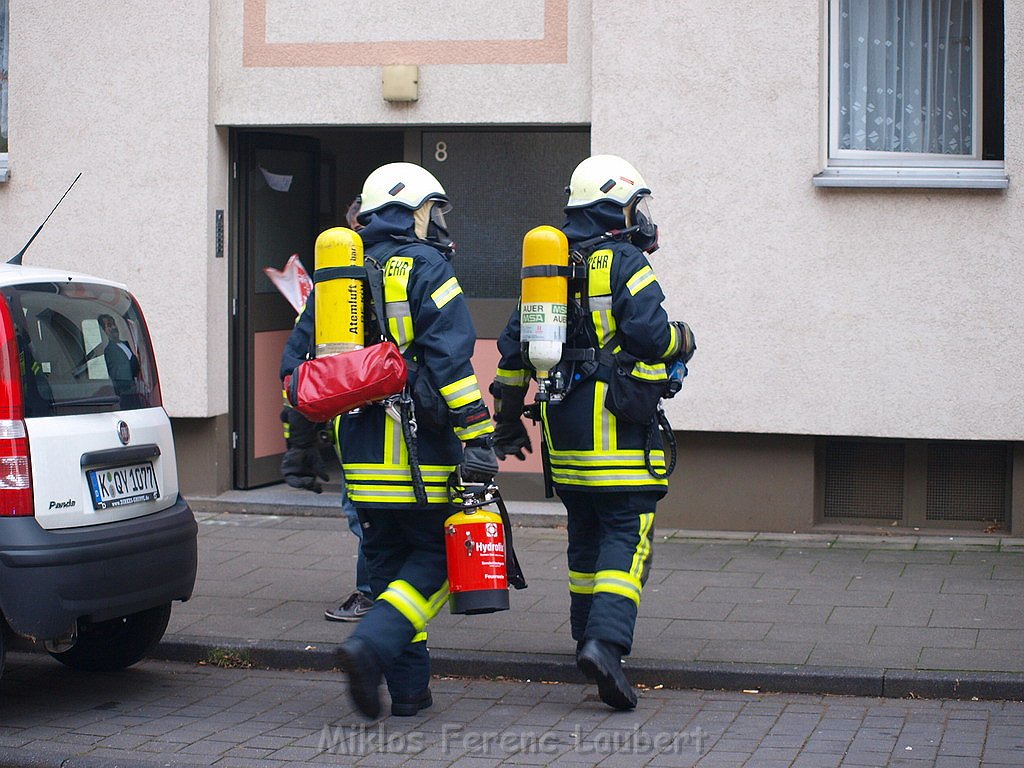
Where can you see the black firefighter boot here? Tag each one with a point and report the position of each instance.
(364, 675)
(602, 662)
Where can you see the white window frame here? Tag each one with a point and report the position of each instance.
(5, 173)
(867, 168)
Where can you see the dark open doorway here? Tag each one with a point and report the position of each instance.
(503, 181)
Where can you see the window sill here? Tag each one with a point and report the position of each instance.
(5, 172)
(923, 178)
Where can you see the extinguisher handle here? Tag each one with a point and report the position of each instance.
(469, 496)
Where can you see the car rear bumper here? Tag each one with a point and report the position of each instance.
(50, 578)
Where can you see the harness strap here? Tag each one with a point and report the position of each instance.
(333, 273)
(571, 271)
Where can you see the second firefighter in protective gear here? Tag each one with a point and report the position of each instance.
(397, 461)
(607, 469)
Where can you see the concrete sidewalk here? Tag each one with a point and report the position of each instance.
(873, 615)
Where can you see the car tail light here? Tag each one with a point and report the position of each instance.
(15, 471)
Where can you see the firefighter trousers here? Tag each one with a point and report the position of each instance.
(609, 553)
(405, 555)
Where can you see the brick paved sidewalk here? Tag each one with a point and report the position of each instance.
(870, 615)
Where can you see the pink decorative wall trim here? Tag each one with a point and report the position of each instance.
(552, 48)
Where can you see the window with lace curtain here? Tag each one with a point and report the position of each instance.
(4, 34)
(916, 85)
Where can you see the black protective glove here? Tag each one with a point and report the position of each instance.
(479, 464)
(511, 439)
(302, 464)
(688, 344)
(508, 401)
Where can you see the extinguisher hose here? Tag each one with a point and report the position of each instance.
(514, 571)
(409, 433)
(661, 424)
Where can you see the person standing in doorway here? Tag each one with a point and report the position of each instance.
(302, 465)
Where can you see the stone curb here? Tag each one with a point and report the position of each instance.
(216, 506)
(761, 678)
(43, 757)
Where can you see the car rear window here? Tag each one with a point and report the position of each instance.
(84, 349)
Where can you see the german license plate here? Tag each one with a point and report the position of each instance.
(119, 486)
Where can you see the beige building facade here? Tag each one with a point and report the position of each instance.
(855, 295)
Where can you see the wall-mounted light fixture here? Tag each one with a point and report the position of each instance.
(401, 82)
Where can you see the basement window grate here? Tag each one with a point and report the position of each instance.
(864, 480)
(967, 482)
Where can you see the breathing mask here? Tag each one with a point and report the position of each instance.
(643, 230)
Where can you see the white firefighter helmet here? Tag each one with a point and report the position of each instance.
(405, 184)
(605, 177)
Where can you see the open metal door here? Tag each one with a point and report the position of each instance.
(277, 182)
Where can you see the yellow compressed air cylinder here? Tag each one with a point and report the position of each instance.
(543, 309)
(339, 300)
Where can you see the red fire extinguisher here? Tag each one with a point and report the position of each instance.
(478, 555)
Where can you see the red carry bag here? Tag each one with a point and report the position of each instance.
(326, 387)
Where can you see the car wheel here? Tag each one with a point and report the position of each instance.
(118, 643)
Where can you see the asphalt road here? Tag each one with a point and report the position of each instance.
(176, 714)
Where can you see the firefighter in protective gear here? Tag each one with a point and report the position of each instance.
(425, 313)
(302, 465)
(607, 470)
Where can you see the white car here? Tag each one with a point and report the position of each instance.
(96, 542)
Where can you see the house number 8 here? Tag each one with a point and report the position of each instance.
(441, 151)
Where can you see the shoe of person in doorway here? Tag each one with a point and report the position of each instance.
(354, 608)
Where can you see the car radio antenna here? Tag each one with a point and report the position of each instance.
(16, 258)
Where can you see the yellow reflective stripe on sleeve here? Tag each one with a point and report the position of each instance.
(512, 378)
(419, 637)
(449, 289)
(618, 583)
(643, 547)
(581, 583)
(656, 372)
(640, 280)
(477, 430)
(675, 341)
(461, 392)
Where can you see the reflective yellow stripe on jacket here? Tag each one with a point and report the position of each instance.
(396, 299)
